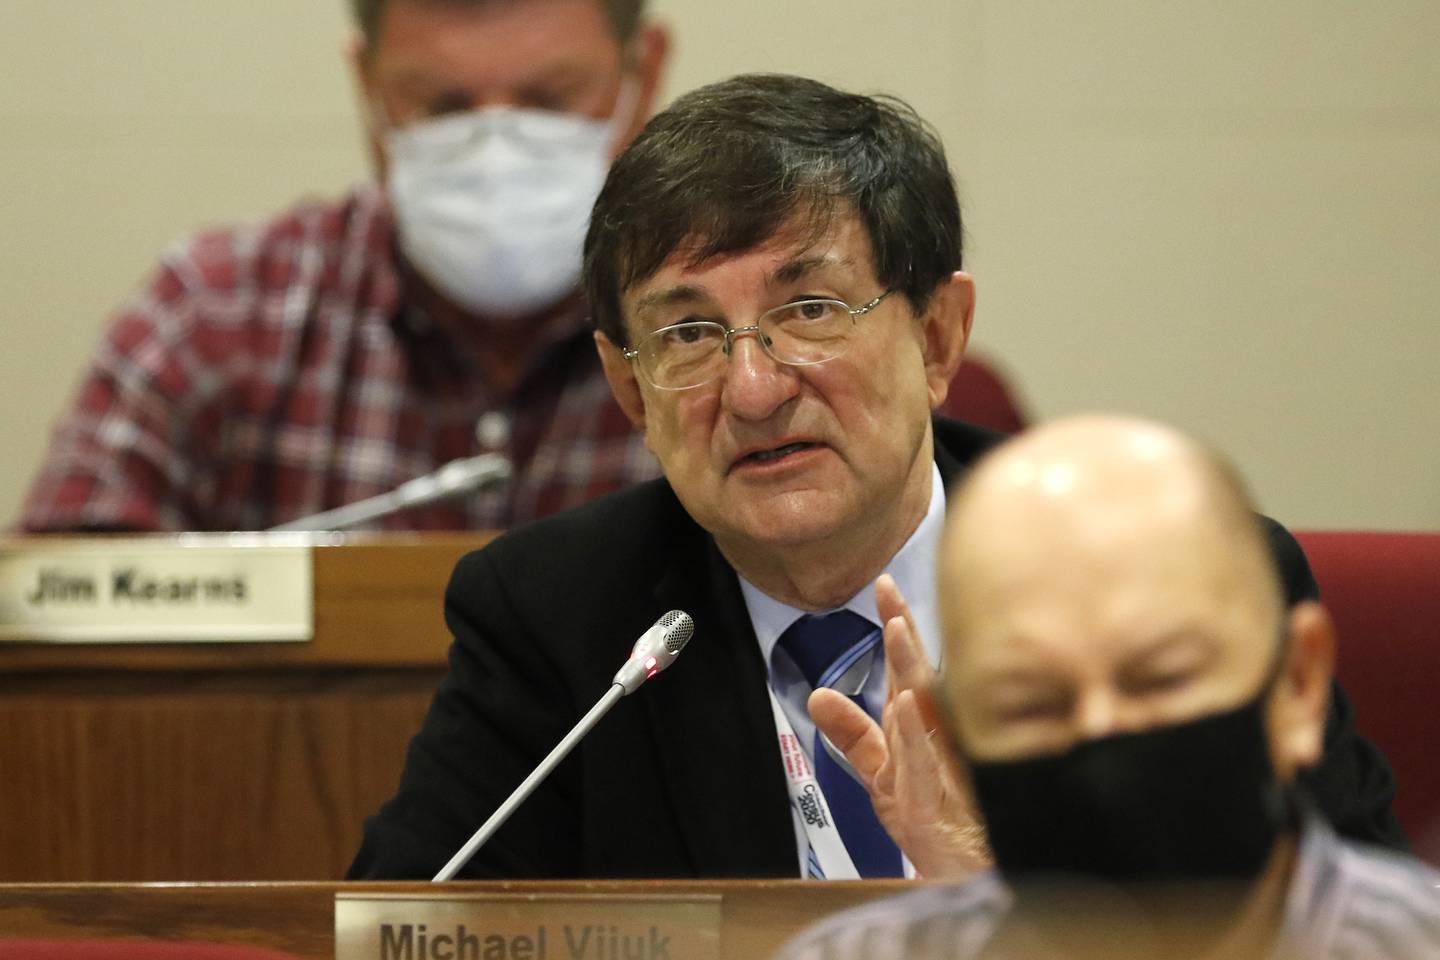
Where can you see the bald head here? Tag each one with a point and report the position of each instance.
(1101, 575)
(1099, 475)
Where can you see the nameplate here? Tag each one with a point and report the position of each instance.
(481, 926)
(221, 588)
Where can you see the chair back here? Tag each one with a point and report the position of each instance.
(980, 394)
(1383, 591)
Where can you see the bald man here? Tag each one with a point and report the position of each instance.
(1128, 703)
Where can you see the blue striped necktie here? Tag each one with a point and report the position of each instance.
(826, 648)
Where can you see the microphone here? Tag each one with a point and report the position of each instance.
(656, 649)
(453, 479)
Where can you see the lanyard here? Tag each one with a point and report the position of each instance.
(807, 802)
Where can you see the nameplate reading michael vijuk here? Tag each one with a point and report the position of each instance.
(378, 926)
(218, 588)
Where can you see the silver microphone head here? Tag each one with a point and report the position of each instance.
(656, 649)
(678, 629)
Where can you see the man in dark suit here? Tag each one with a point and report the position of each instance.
(774, 271)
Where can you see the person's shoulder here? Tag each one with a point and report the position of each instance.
(951, 921)
(1381, 877)
(217, 297)
(592, 570)
(1353, 899)
(1370, 903)
(611, 536)
(233, 291)
(300, 244)
(311, 243)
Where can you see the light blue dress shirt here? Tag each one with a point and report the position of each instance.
(913, 568)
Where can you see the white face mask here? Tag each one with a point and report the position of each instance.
(492, 204)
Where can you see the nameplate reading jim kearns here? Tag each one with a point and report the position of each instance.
(480, 926)
(190, 588)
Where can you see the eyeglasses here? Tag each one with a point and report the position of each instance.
(691, 354)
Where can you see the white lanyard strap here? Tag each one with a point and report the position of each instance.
(807, 802)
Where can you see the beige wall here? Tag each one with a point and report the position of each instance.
(1223, 214)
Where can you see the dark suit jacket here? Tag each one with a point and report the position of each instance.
(682, 779)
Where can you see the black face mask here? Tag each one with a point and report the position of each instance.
(1192, 801)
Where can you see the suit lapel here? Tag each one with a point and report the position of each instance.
(713, 727)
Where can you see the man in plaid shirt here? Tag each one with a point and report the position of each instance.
(270, 372)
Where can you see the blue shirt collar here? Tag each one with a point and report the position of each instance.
(913, 568)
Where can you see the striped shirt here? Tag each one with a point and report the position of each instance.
(273, 371)
(1345, 901)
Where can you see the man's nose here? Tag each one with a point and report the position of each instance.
(755, 384)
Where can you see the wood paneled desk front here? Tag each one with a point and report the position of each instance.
(753, 917)
(225, 761)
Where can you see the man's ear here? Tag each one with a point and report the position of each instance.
(946, 331)
(356, 53)
(651, 52)
(647, 56)
(358, 58)
(1301, 699)
(621, 377)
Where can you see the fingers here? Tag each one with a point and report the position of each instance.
(894, 616)
(933, 809)
(919, 773)
(852, 731)
(906, 667)
(928, 780)
(904, 657)
(889, 601)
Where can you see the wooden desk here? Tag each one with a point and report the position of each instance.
(756, 916)
(225, 761)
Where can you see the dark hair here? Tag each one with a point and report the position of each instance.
(624, 15)
(726, 166)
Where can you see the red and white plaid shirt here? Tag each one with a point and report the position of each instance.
(271, 372)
